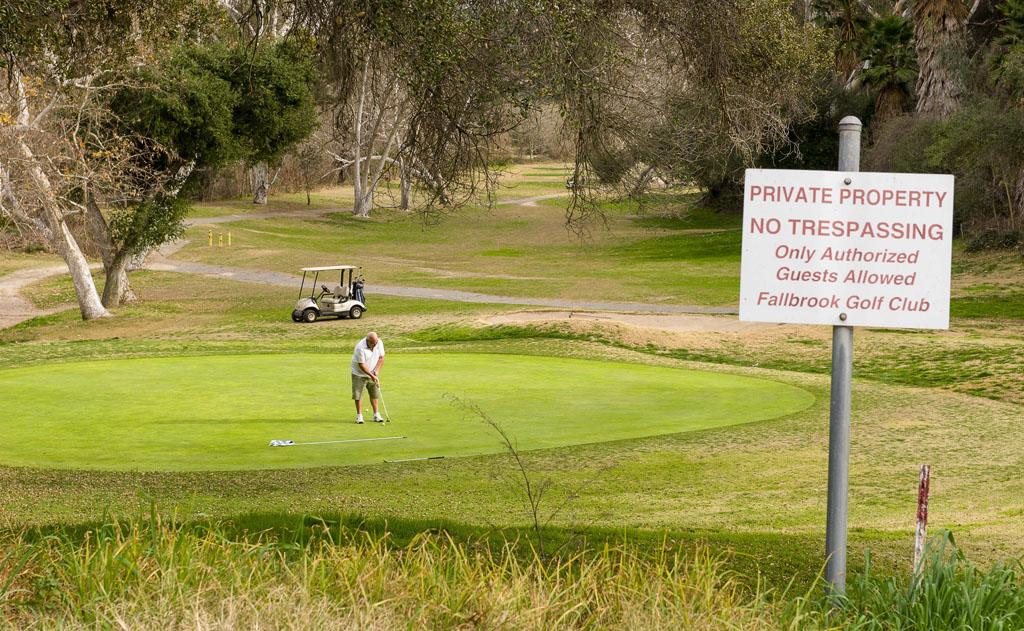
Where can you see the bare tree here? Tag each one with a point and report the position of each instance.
(369, 128)
(47, 172)
(696, 91)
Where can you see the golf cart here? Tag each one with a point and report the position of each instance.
(345, 300)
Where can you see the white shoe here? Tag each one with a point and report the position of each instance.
(359, 419)
(377, 418)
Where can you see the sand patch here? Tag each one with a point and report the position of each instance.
(665, 322)
(446, 273)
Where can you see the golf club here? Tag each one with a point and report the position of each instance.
(387, 417)
(288, 443)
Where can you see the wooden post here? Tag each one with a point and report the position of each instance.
(922, 517)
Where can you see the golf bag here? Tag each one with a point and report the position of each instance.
(357, 291)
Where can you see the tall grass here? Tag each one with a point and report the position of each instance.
(151, 572)
(154, 573)
(950, 593)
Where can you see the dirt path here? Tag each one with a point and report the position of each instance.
(530, 201)
(14, 308)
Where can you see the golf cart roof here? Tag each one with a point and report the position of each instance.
(327, 268)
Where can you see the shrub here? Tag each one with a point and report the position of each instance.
(994, 240)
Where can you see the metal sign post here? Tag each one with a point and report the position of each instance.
(845, 249)
(839, 408)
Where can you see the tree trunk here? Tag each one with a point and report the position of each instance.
(116, 290)
(85, 289)
(645, 177)
(363, 202)
(260, 183)
(939, 36)
(358, 208)
(1018, 199)
(889, 102)
(53, 218)
(403, 204)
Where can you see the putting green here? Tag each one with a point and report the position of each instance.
(221, 412)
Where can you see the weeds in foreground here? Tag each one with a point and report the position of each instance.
(532, 491)
(151, 573)
(950, 594)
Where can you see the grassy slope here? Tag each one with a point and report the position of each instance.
(701, 481)
(507, 250)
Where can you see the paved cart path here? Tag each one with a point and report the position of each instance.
(14, 308)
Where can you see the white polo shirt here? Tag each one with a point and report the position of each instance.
(363, 355)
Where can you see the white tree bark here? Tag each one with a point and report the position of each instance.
(359, 207)
(406, 182)
(378, 121)
(260, 183)
(53, 217)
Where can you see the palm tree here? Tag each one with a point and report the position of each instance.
(848, 22)
(1006, 62)
(940, 38)
(891, 67)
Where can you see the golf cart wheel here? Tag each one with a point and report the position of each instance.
(355, 312)
(296, 318)
(309, 315)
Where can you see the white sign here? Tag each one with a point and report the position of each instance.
(843, 248)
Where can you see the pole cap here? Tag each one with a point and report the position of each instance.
(850, 123)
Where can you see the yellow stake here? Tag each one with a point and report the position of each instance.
(229, 239)
(211, 238)
(220, 239)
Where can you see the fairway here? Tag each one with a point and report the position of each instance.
(221, 412)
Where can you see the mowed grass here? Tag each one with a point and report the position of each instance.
(509, 250)
(217, 412)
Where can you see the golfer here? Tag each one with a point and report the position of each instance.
(367, 360)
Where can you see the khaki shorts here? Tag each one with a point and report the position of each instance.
(358, 383)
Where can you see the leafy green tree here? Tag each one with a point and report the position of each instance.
(61, 60)
(891, 68)
(205, 106)
(1007, 62)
